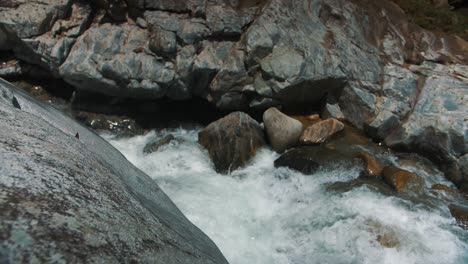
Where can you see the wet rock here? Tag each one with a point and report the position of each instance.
(371, 183)
(321, 131)
(445, 190)
(155, 144)
(402, 180)
(308, 159)
(232, 141)
(386, 236)
(373, 167)
(119, 125)
(283, 131)
(460, 213)
(57, 188)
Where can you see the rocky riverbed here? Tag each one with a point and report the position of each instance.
(306, 131)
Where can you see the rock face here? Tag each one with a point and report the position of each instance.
(402, 180)
(321, 131)
(362, 59)
(437, 125)
(232, 141)
(283, 131)
(64, 199)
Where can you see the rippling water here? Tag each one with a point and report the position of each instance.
(260, 214)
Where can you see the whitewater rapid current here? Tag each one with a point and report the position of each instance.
(265, 215)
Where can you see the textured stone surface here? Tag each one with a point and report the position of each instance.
(64, 199)
(308, 159)
(321, 131)
(232, 141)
(437, 125)
(283, 131)
(460, 213)
(402, 180)
(373, 167)
(361, 56)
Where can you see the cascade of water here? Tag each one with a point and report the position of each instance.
(261, 214)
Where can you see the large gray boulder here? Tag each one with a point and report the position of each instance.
(67, 199)
(283, 131)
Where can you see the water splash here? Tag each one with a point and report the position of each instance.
(260, 214)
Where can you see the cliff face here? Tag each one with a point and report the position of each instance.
(400, 83)
(66, 196)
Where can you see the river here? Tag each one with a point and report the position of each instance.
(265, 215)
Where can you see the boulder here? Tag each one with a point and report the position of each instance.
(448, 192)
(68, 198)
(460, 213)
(308, 159)
(155, 144)
(373, 184)
(283, 131)
(321, 131)
(232, 141)
(373, 167)
(403, 181)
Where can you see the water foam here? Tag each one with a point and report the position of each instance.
(260, 214)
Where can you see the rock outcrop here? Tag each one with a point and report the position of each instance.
(362, 59)
(283, 131)
(232, 141)
(66, 195)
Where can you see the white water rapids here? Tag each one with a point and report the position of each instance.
(264, 215)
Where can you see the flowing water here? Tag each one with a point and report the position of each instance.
(261, 214)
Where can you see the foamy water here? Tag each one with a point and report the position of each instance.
(264, 215)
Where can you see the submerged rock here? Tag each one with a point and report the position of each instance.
(64, 199)
(155, 144)
(371, 183)
(283, 131)
(448, 192)
(232, 141)
(321, 131)
(385, 235)
(402, 180)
